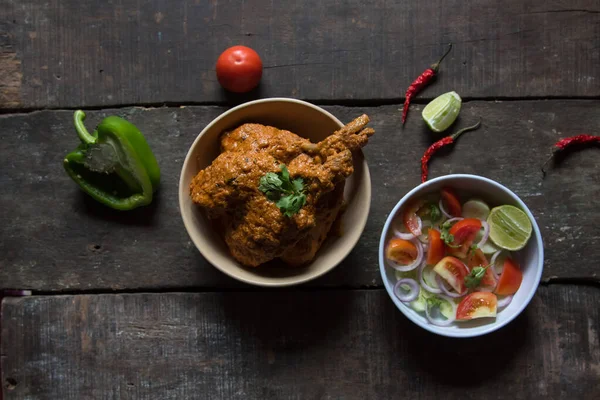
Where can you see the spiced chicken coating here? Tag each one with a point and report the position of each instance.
(254, 228)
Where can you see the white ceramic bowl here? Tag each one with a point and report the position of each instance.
(305, 120)
(531, 258)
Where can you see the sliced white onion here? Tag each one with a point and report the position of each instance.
(413, 292)
(486, 234)
(493, 264)
(443, 210)
(420, 223)
(430, 289)
(503, 302)
(455, 219)
(446, 291)
(403, 235)
(442, 322)
(414, 264)
(424, 237)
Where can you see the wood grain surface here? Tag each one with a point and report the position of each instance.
(55, 238)
(82, 53)
(291, 345)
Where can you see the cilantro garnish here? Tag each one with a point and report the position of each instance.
(446, 236)
(287, 194)
(475, 276)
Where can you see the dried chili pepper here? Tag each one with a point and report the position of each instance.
(562, 144)
(422, 81)
(438, 145)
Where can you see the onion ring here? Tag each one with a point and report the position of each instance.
(486, 234)
(412, 294)
(404, 235)
(443, 210)
(445, 290)
(504, 301)
(493, 264)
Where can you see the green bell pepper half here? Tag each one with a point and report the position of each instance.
(114, 164)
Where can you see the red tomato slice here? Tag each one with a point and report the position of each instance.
(437, 247)
(510, 279)
(477, 305)
(464, 233)
(410, 217)
(453, 271)
(401, 251)
(477, 258)
(452, 203)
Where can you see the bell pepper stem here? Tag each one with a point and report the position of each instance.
(83, 133)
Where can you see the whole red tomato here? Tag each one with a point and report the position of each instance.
(239, 69)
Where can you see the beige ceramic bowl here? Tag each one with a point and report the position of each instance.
(305, 120)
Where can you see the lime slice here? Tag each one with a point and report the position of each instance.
(442, 111)
(510, 228)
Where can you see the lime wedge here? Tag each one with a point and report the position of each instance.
(510, 228)
(442, 111)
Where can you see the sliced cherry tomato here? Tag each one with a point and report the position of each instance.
(401, 251)
(453, 271)
(464, 233)
(510, 278)
(239, 69)
(477, 258)
(411, 219)
(437, 247)
(452, 203)
(477, 305)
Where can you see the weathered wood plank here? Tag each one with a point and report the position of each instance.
(274, 345)
(56, 238)
(75, 53)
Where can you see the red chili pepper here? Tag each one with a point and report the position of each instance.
(422, 81)
(562, 144)
(438, 145)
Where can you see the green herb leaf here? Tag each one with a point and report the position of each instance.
(446, 236)
(288, 195)
(475, 276)
(434, 212)
(298, 184)
(434, 301)
(473, 249)
(291, 204)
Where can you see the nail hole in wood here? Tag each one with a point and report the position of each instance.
(10, 384)
(94, 247)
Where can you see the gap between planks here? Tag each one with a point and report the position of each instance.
(341, 102)
(550, 281)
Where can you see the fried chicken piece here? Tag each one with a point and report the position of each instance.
(255, 230)
(281, 144)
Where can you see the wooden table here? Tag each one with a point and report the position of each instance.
(124, 306)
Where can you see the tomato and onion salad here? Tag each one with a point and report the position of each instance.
(446, 264)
